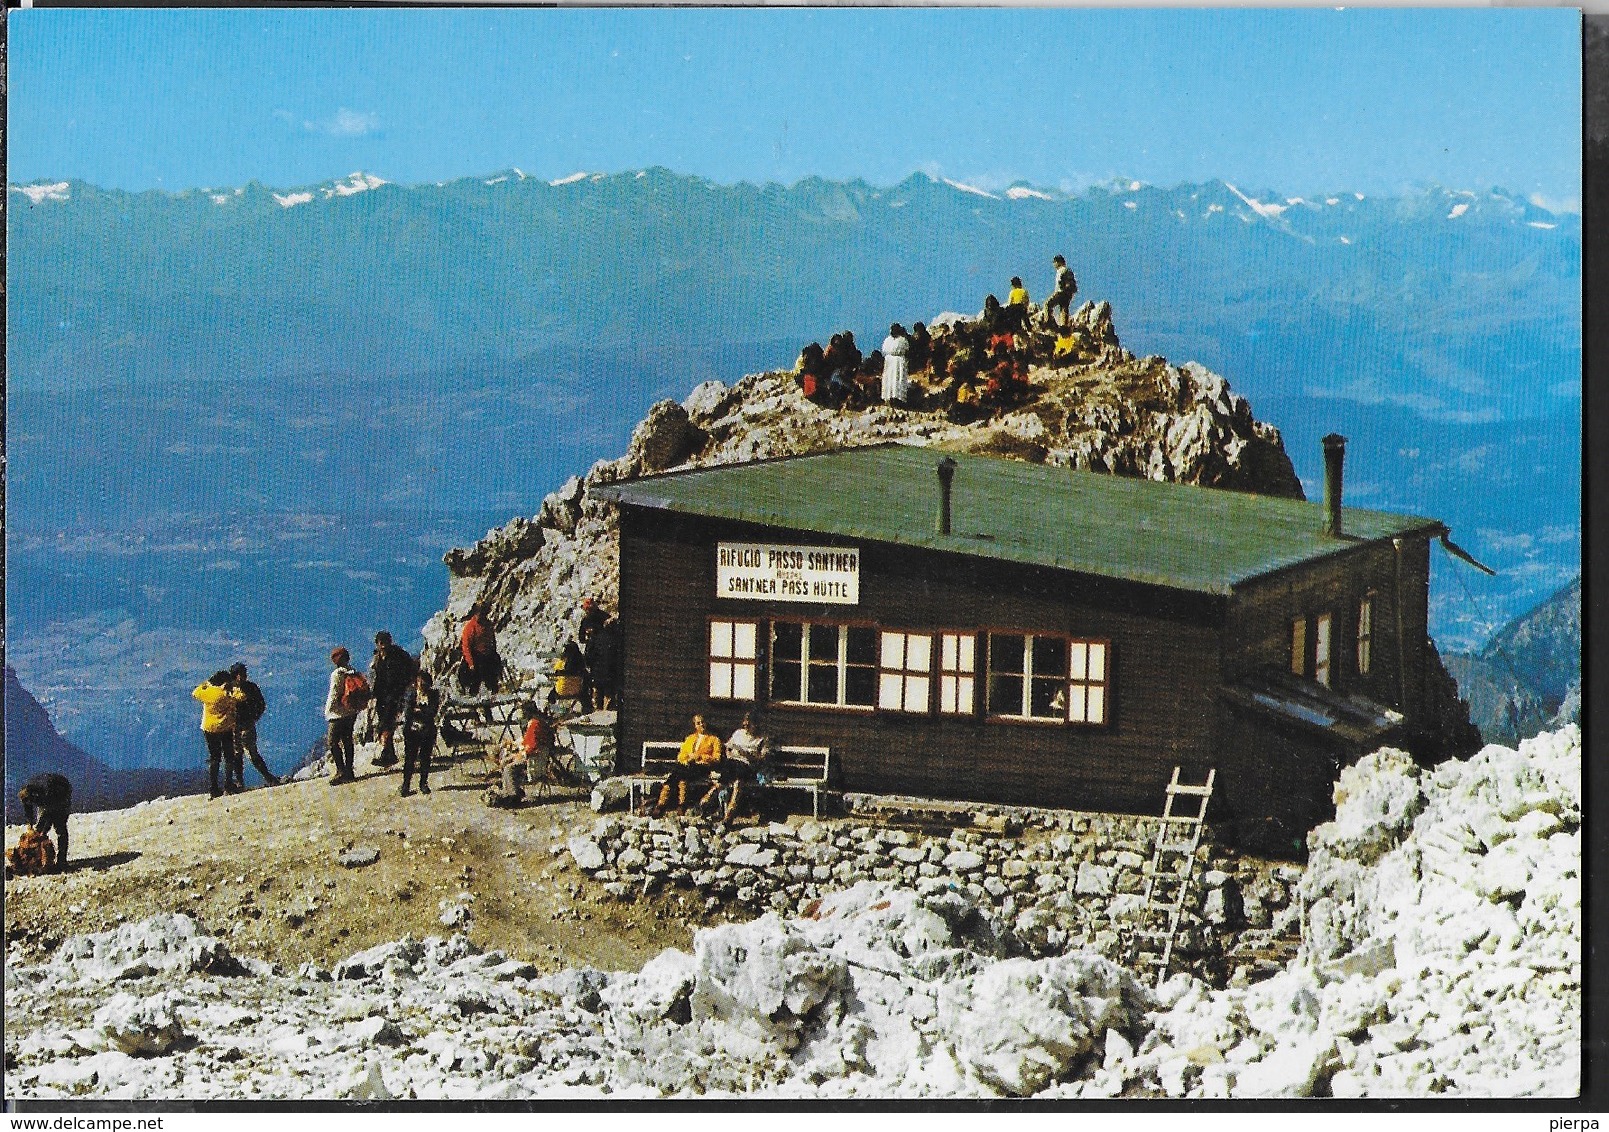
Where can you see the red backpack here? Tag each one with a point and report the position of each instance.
(355, 694)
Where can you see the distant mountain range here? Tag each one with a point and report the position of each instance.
(1449, 303)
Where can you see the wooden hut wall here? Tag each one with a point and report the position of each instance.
(1261, 612)
(1165, 669)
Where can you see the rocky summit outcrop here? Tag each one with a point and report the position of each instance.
(1109, 412)
(1442, 957)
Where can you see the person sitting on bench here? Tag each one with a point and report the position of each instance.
(700, 754)
(745, 754)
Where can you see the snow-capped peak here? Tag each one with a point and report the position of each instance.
(37, 193)
(291, 200)
(1023, 192)
(969, 189)
(355, 183)
(570, 180)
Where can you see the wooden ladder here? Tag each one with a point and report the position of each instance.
(1177, 839)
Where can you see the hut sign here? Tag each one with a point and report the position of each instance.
(766, 572)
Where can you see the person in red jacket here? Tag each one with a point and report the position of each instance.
(483, 668)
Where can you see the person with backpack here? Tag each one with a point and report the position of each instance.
(249, 708)
(603, 664)
(483, 667)
(390, 673)
(1017, 307)
(1066, 288)
(218, 728)
(421, 708)
(46, 800)
(349, 695)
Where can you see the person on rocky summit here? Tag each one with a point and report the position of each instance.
(390, 673)
(700, 754)
(249, 708)
(483, 667)
(1017, 306)
(218, 706)
(1062, 297)
(341, 708)
(421, 708)
(896, 372)
(46, 800)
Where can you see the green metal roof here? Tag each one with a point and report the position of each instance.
(1206, 540)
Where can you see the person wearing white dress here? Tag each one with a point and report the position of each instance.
(896, 373)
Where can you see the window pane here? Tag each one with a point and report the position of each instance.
(918, 652)
(720, 680)
(968, 660)
(1096, 711)
(1050, 656)
(1076, 695)
(1005, 693)
(1097, 662)
(964, 696)
(948, 658)
(720, 638)
(893, 650)
(916, 693)
(860, 686)
(1048, 698)
(888, 692)
(1079, 664)
(743, 635)
(823, 687)
(862, 647)
(785, 681)
(743, 681)
(947, 694)
(824, 642)
(1006, 655)
(787, 640)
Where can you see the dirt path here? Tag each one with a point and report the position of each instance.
(260, 870)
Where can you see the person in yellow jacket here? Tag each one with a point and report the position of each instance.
(700, 754)
(218, 701)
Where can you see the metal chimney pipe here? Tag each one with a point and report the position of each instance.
(1334, 459)
(946, 470)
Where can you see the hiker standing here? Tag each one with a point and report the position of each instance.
(249, 708)
(603, 664)
(896, 373)
(46, 800)
(349, 694)
(389, 675)
(218, 728)
(1017, 307)
(421, 707)
(483, 668)
(1066, 288)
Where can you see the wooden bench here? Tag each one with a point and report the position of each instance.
(789, 768)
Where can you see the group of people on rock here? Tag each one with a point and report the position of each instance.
(730, 771)
(965, 369)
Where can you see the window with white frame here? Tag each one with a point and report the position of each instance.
(906, 679)
(829, 665)
(733, 659)
(958, 668)
(1035, 676)
(1365, 634)
(1321, 649)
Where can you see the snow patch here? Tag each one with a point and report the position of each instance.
(497, 180)
(1266, 211)
(1539, 224)
(291, 200)
(1332, 200)
(37, 193)
(1021, 192)
(1211, 208)
(1136, 186)
(970, 189)
(357, 183)
(1130, 204)
(570, 180)
(1346, 240)
(220, 198)
(1458, 210)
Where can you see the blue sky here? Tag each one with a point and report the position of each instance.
(1296, 101)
